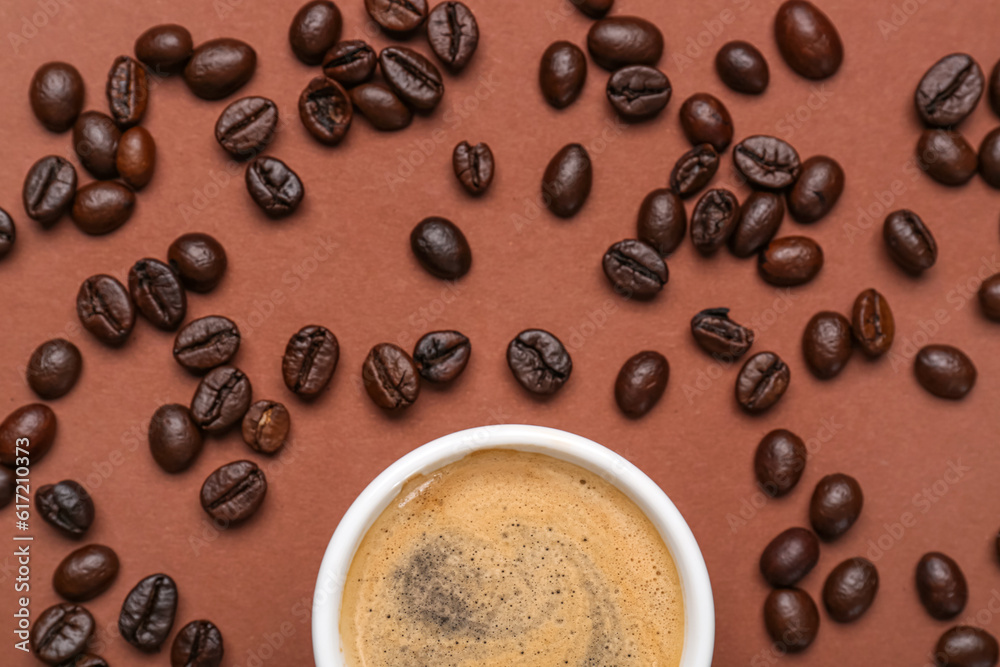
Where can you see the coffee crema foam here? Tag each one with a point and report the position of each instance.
(512, 558)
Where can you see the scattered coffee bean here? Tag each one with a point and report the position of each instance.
(994, 89)
(815, 193)
(989, 158)
(274, 186)
(965, 646)
(947, 157)
(265, 426)
(595, 9)
(567, 181)
(850, 589)
(390, 377)
(835, 506)
(56, 95)
(872, 323)
(789, 557)
(941, 586)
(826, 344)
(174, 438)
(720, 336)
(34, 421)
(220, 67)
(8, 486)
(617, 41)
(779, 462)
(641, 383)
(157, 293)
(381, 107)
(453, 34)
(949, 91)
(54, 368)
(473, 166)
(247, 126)
(105, 309)
(86, 660)
(441, 356)
(705, 120)
(86, 573)
(762, 382)
(635, 269)
(713, 220)
(199, 260)
(310, 360)
(350, 62)
(742, 67)
(315, 29)
(790, 261)
(147, 614)
(234, 492)
(989, 297)
(61, 632)
(945, 371)
(562, 73)
(414, 78)
(8, 233)
(694, 170)
(397, 17)
(101, 207)
(127, 91)
(164, 49)
(136, 157)
(67, 506)
(808, 40)
(662, 221)
(539, 361)
(198, 644)
(767, 162)
(760, 217)
(49, 188)
(325, 110)
(791, 618)
(95, 140)
(909, 241)
(440, 247)
(638, 92)
(221, 399)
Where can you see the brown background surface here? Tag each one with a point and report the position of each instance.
(343, 261)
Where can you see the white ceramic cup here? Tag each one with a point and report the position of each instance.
(699, 607)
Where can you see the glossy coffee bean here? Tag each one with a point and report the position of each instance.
(314, 30)
(148, 612)
(742, 67)
(720, 336)
(945, 371)
(265, 426)
(713, 220)
(762, 382)
(441, 356)
(325, 110)
(562, 73)
(246, 126)
(56, 95)
(8, 486)
(198, 644)
(86, 660)
(221, 400)
(274, 186)
(817, 189)
(791, 619)
(234, 492)
(397, 17)
(638, 92)
(994, 89)
(127, 91)
(413, 77)
(789, 557)
(8, 233)
(350, 62)
(808, 40)
(164, 49)
(567, 181)
(835, 506)
(105, 309)
(310, 360)
(662, 221)
(965, 646)
(157, 293)
(760, 217)
(595, 9)
(617, 41)
(989, 158)
(220, 67)
(694, 170)
(102, 207)
(635, 269)
(174, 438)
(390, 377)
(790, 260)
(67, 506)
(850, 589)
(136, 157)
(95, 140)
(767, 162)
(440, 247)
(779, 462)
(641, 383)
(381, 107)
(86, 573)
(872, 323)
(989, 297)
(199, 260)
(49, 188)
(947, 157)
(473, 166)
(826, 344)
(34, 421)
(453, 34)
(54, 368)
(941, 586)
(705, 120)
(61, 632)
(949, 91)
(539, 361)
(909, 241)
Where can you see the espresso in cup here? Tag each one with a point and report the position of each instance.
(512, 558)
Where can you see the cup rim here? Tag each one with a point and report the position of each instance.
(696, 588)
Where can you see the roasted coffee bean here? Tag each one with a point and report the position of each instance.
(325, 110)
(872, 323)
(767, 162)
(635, 269)
(617, 41)
(808, 40)
(61, 632)
(157, 293)
(567, 181)
(54, 368)
(760, 217)
(397, 17)
(791, 619)
(247, 126)
(174, 438)
(198, 644)
(994, 89)
(274, 186)
(105, 309)
(56, 95)
(947, 157)
(390, 377)
(147, 614)
(835, 506)
(95, 140)
(742, 67)
(164, 49)
(789, 557)
(850, 589)
(562, 73)
(790, 260)
(34, 421)
(220, 67)
(909, 241)
(414, 78)
(473, 166)
(310, 360)
(381, 107)
(595, 9)
(453, 34)
(638, 92)
(694, 170)
(441, 356)
(826, 344)
(49, 188)
(941, 586)
(86, 573)
(989, 158)
(8, 233)
(641, 383)
(779, 461)
(199, 260)
(705, 120)
(945, 371)
(101, 207)
(127, 91)
(86, 660)
(315, 29)
(221, 399)
(762, 382)
(136, 157)
(207, 342)
(819, 186)
(67, 506)
(949, 91)
(440, 247)
(720, 336)
(265, 426)
(662, 221)
(965, 646)
(989, 297)
(539, 361)
(234, 492)
(713, 220)
(350, 62)
(8, 486)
